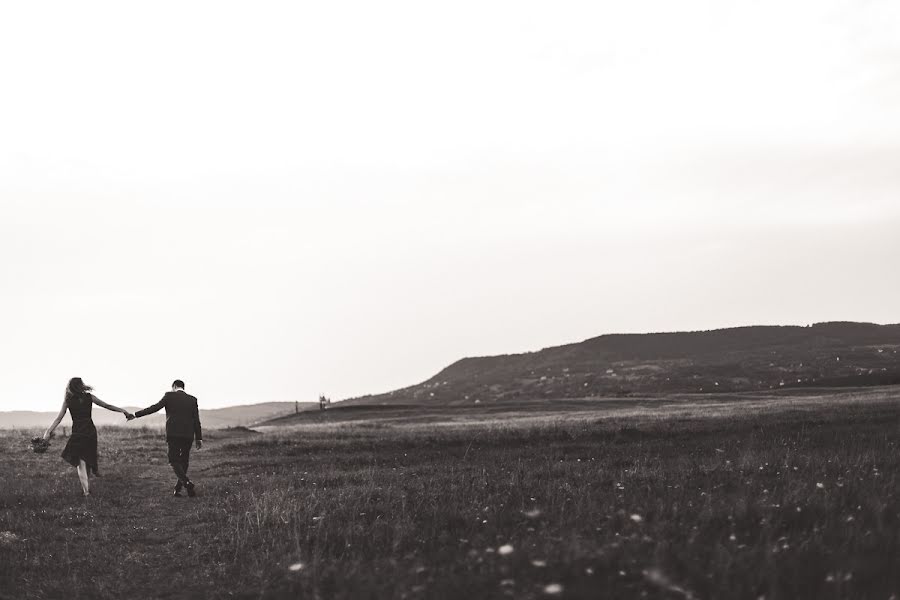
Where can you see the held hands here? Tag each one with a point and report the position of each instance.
(129, 416)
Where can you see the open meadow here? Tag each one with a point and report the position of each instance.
(751, 496)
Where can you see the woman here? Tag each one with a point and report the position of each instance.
(81, 449)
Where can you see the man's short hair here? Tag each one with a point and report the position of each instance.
(178, 383)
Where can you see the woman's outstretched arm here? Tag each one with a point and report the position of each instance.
(59, 417)
(100, 402)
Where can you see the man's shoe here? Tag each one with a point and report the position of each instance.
(177, 494)
(190, 489)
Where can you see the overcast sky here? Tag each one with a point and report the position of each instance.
(276, 200)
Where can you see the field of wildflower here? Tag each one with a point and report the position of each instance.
(778, 503)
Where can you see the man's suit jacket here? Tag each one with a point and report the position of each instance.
(182, 415)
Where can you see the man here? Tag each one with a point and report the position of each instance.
(182, 427)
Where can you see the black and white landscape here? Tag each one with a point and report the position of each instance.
(417, 300)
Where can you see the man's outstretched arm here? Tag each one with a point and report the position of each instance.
(151, 409)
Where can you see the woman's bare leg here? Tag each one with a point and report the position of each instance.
(83, 477)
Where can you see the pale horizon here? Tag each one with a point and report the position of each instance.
(425, 377)
(281, 201)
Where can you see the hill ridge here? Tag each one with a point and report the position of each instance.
(744, 358)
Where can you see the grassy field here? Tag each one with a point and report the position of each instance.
(771, 498)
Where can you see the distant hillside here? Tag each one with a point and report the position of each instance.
(736, 359)
(230, 416)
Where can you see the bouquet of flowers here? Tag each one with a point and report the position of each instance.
(39, 445)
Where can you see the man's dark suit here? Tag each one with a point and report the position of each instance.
(182, 427)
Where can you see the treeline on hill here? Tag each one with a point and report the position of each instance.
(724, 360)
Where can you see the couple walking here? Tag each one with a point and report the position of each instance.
(182, 429)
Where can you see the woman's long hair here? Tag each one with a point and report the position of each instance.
(77, 390)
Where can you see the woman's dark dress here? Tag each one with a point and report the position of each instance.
(82, 444)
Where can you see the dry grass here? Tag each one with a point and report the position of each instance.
(790, 503)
